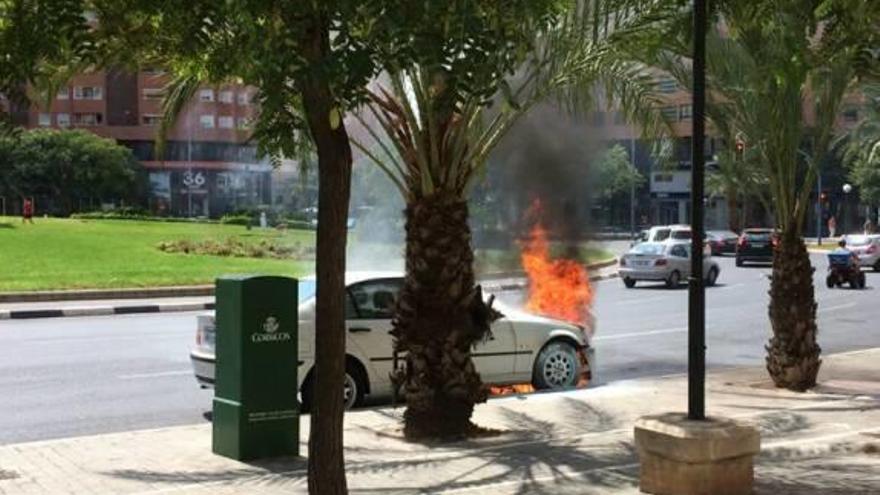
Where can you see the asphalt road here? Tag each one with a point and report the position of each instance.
(78, 376)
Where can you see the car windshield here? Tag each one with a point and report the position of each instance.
(858, 240)
(758, 236)
(306, 290)
(681, 234)
(648, 248)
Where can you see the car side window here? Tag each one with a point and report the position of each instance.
(374, 300)
(678, 252)
(661, 235)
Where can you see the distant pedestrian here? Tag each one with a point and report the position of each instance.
(832, 226)
(27, 211)
(869, 226)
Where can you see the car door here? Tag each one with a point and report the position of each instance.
(680, 260)
(368, 324)
(496, 357)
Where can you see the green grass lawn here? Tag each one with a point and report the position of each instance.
(56, 254)
(69, 254)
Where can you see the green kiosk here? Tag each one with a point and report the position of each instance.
(256, 412)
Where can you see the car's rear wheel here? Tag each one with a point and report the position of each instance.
(712, 277)
(877, 266)
(739, 261)
(354, 388)
(674, 279)
(629, 283)
(829, 281)
(557, 367)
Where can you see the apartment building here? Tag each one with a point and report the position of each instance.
(665, 196)
(208, 166)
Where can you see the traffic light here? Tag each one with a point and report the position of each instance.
(740, 147)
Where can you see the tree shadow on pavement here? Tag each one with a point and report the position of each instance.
(534, 457)
(281, 466)
(840, 470)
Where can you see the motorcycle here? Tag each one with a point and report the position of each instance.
(843, 268)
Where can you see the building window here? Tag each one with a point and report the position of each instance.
(244, 123)
(63, 93)
(244, 98)
(207, 121)
(667, 85)
(151, 119)
(685, 112)
(88, 118)
(226, 97)
(851, 115)
(663, 177)
(225, 122)
(153, 93)
(45, 119)
(206, 95)
(63, 119)
(153, 71)
(669, 113)
(87, 93)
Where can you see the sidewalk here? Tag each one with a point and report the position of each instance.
(822, 442)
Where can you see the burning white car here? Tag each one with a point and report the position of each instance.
(524, 348)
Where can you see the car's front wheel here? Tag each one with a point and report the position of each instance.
(353, 390)
(712, 277)
(629, 282)
(877, 266)
(674, 280)
(557, 367)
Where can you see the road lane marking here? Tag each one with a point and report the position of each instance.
(835, 308)
(641, 334)
(158, 374)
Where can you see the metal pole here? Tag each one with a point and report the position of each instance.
(696, 291)
(819, 208)
(632, 190)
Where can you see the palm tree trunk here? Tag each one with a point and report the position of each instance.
(440, 316)
(793, 353)
(733, 218)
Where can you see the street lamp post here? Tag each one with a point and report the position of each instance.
(847, 188)
(696, 290)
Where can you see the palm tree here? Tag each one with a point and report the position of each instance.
(777, 74)
(861, 147)
(434, 144)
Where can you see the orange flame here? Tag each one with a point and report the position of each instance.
(519, 388)
(558, 288)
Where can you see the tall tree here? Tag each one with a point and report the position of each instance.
(861, 148)
(37, 37)
(778, 72)
(311, 62)
(466, 74)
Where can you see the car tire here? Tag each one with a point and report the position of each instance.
(629, 283)
(739, 261)
(674, 280)
(355, 388)
(557, 367)
(877, 266)
(829, 281)
(712, 277)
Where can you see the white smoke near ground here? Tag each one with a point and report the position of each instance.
(377, 234)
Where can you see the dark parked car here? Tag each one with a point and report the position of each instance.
(722, 241)
(756, 245)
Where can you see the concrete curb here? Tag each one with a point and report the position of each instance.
(93, 294)
(523, 283)
(26, 314)
(522, 274)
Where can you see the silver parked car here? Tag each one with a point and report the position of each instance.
(867, 248)
(668, 262)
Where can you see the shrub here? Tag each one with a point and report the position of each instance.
(237, 219)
